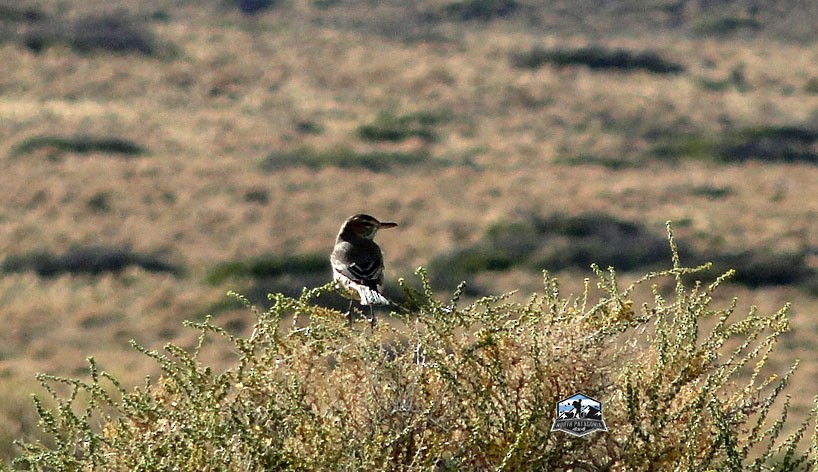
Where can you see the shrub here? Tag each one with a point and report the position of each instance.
(726, 26)
(308, 127)
(20, 14)
(557, 242)
(388, 127)
(252, 7)
(92, 260)
(257, 195)
(811, 86)
(287, 275)
(80, 144)
(563, 242)
(764, 267)
(100, 202)
(267, 266)
(765, 143)
(711, 192)
(596, 57)
(771, 143)
(376, 161)
(483, 10)
(112, 32)
(452, 387)
(612, 163)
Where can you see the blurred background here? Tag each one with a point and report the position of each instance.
(155, 154)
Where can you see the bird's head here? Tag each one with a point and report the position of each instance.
(364, 226)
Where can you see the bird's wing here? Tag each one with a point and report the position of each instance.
(363, 267)
(369, 273)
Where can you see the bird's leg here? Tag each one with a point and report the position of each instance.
(349, 312)
(371, 317)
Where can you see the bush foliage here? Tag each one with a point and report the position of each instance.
(80, 144)
(262, 274)
(482, 10)
(390, 127)
(764, 143)
(449, 386)
(115, 32)
(597, 57)
(266, 266)
(376, 161)
(557, 242)
(252, 7)
(726, 26)
(10, 12)
(92, 260)
(576, 241)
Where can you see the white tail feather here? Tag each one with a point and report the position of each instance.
(366, 295)
(370, 297)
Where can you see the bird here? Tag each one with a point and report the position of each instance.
(357, 262)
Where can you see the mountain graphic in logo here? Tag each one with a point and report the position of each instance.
(579, 415)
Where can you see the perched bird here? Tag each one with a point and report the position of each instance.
(357, 262)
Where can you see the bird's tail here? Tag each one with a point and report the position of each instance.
(370, 296)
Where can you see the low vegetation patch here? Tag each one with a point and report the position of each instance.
(20, 14)
(267, 266)
(711, 192)
(390, 127)
(271, 273)
(612, 163)
(482, 10)
(376, 161)
(93, 260)
(596, 57)
(251, 7)
(116, 32)
(726, 26)
(811, 86)
(557, 242)
(450, 386)
(563, 242)
(764, 143)
(763, 267)
(79, 144)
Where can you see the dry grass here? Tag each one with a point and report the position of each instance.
(238, 89)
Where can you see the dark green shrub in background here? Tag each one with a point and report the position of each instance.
(20, 14)
(560, 242)
(389, 127)
(483, 10)
(763, 143)
(252, 7)
(267, 266)
(376, 161)
(114, 32)
(811, 86)
(450, 386)
(556, 242)
(596, 57)
(608, 162)
(726, 26)
(90, 260)
(80, 144)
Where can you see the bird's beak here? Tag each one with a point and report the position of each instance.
(387, 225)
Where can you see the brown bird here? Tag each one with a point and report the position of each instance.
(357, 262)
